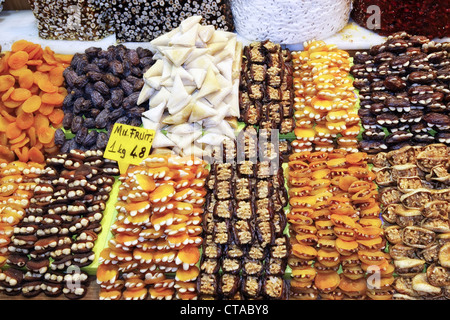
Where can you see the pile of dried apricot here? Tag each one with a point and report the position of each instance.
(157, 232)
(31, 96)
(334, 223)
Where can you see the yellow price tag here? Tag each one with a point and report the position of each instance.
(129, 145)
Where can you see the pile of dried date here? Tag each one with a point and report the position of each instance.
(103, 88)
(404, 90)
(415, 197)
(245, 249)
(57, 235)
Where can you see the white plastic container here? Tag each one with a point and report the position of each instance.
(289, 21)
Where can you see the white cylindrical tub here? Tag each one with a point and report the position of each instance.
(289, 21)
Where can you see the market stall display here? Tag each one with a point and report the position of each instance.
(278, 166)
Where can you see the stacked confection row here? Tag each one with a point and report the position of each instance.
(273, 174)
(144, 20)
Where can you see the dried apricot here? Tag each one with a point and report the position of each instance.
(6, 82)
(20, 94)
(18, 59)
(25, 120)
(32, 104)
(13, 131)
(36, 155)
(53, 98)
(45, 134)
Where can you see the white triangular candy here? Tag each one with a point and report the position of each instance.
(215, 48)
(166, 70)
(180, 117)
(197, 52)
(179, 98)
(177, 55)
(210, 84)
(186, 38)
(185, 140)
(198, 75)
(222, 111)
(184, 128)
(224, 128)
(155, 70)
(159, 97)
(201, 111)
(154, 82)
(149, 124)
(226, 68)
(162, 141)
(205, 33)
(202, 62)
(217, 97)
(155, 114)
(212, 138)
(188, 23)
(218, 36)
(145, 94)
(162, 40)
(233, 100)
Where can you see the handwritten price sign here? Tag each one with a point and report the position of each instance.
(129, 145)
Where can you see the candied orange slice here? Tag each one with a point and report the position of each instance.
(327, 282)
(371, 212)
(304, 252)
(189, 255)
(344, 233)
(360, 185)
(300, 156)
(306, 239)
(135, 208)
(357, 287)
(178, 240)
(162, 194)
(138, 294)
(358, 172)
(308, 201)
(300, 192)
(143, 256)
(161, 293)
(343, 221)
(107, 273)
(346, 181)
(162, 219)
(145, 182)
(371, 222)
(189, 274)
(372, 244)
(328, 258)
(113, 294)
(365, 233)
(346, 248)
(371, 257)
(304, 274)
